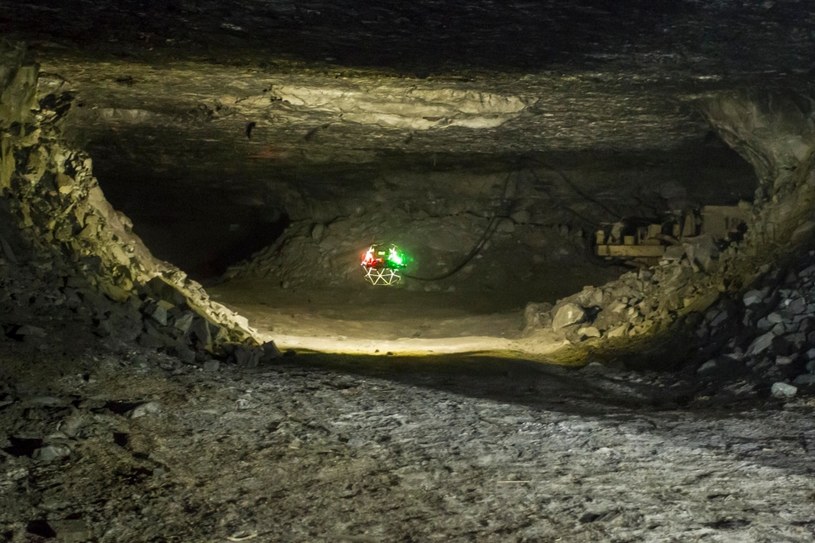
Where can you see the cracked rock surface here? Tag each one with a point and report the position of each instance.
(133, 446)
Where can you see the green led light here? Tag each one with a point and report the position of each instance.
(395, 257)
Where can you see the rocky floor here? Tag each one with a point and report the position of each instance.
(111, 444)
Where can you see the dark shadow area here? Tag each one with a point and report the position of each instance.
(22, 446)
(40, 529)
(255, 237)
(227, 166)
(535, 384)
(423, 37)
(201, 233)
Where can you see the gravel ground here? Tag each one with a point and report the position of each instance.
(113, 444)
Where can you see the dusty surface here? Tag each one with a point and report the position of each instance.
(373, 320)
(388, 449)
(381, 312)
(483, 303)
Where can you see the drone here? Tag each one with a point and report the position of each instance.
(383, 263)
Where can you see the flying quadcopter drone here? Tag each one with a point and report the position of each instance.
(383, 263)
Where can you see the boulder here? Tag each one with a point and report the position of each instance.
(702, 251)
(148, 408)
(537, 316)
(201, 334)
(718, 319)
(27, 331)
(270, 352)
(317, 232)
(796, 306)
(158, 312)
(245, 356)
(184, 322)
(752, 297)
(588, 331)
(805, 379)
(568, 314)
(761, 343)
(183, 352)
(620, 331)
(784, 360)
(49, 453)
(783, 391)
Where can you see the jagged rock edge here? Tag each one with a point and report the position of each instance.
(79, 230)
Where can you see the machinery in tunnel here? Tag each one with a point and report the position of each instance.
(646, 243)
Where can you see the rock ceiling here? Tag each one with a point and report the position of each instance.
(351, 81)
(214, 96)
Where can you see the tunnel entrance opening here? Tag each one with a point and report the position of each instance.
(200, 233)
(313, 186)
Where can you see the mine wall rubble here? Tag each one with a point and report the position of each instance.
(64, 247)
(752, 300)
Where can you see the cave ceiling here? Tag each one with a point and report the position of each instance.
(215, 96)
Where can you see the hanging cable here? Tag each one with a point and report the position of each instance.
(586, 220)
(573, 186)
(492, 225)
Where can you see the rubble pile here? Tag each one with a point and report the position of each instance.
(638, 302)
(676, 291)
(65, 230)
(665, 297)
(765, 337)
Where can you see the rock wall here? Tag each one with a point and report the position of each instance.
(773, 131)
(65, 230)
(333, 251)
(762, 338)
(776, 133)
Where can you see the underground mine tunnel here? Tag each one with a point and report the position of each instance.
(476, 271)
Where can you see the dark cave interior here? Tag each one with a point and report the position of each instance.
(263, 161)
(604, 331)
(204, 219)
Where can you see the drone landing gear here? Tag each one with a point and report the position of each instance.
(382, 276)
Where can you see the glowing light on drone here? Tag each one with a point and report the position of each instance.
(382, 264)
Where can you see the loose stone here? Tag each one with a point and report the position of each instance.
(783, 391)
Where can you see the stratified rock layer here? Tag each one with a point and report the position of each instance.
(59, 218)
